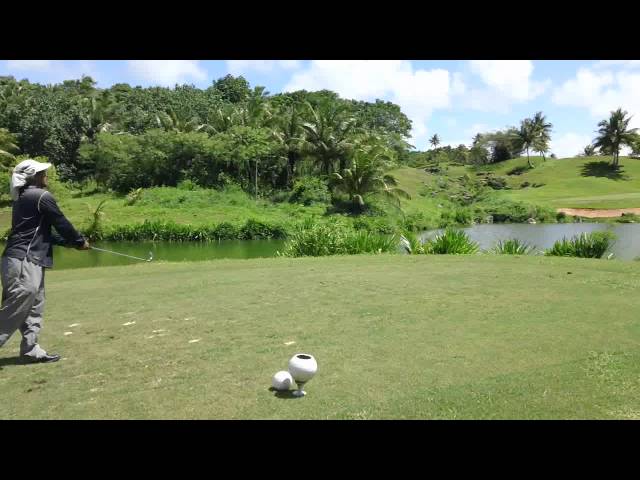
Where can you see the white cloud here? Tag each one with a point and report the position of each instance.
(55, 71)
(569, 144)
(581, 90)
(601, 91)
(238, 67)
(455, 143)
(30, 65)
(417, 92)
(458, 86)
(506, 82)
(617, 63)
(167, 72)
(476, 128)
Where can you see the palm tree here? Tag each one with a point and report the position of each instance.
(329, 136)
(435, 140)
(10, 91)
(527, 136)
(635, 149)
(170, 121)
(365, 177)
(256, 111)
(14, 98)
(288, 131)
(8, 146)
(100, 113)
(589, 151)
(223, 118)
(614, 134)
(543, 134)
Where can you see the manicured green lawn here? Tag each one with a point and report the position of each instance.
(427, 337)
(583, 182)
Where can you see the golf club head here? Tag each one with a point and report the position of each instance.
(150, 257)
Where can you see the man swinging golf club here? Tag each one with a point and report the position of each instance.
(28, 252)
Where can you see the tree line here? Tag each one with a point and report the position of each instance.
(533, 135)
(127, 137)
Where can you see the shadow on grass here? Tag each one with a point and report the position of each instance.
(86, 193)
(518, 170)
(603, 169)
(11, 361)
(283, 394)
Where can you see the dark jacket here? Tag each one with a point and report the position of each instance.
(34, 213)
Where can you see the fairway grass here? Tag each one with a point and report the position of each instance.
(395, 337)
(581, 182)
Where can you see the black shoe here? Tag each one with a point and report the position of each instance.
(48, 358)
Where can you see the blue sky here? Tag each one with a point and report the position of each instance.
(455, 99)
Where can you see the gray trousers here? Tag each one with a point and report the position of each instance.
(22, 304)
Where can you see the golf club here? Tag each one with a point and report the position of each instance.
(124, 255)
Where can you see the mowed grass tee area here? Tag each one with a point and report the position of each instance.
(395, 337)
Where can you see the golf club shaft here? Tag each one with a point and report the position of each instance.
(121, 254)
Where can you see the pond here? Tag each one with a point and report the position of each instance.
(627, 245)
(64, 258)
(543, 236)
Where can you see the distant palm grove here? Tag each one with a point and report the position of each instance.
(124, 138)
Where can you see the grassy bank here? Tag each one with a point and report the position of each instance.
(395, 337)
(437, 199)
(582, 182)
(183, 207)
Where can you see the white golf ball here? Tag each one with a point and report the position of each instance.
(282, 380)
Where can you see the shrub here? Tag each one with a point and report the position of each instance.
(5, 179)
(170, 231)
(416, 222)
(225, 231)
(512, 246)
(451, 242)
(628, 218)
(187, 184)
(410, 242)
(133, 196)
(367, 242)
(497, 183)
(456, 216)
(333, 238)
(95, 230)
(256, 229)
(518, 170)
(309, 190)
(585, 245)
(280, 196)
(503, 210)
(377, 225)
(314, 240)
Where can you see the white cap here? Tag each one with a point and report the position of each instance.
(23, 171)
(30, 167)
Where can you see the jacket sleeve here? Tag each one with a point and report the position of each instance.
(48, 206)
(56, 239)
